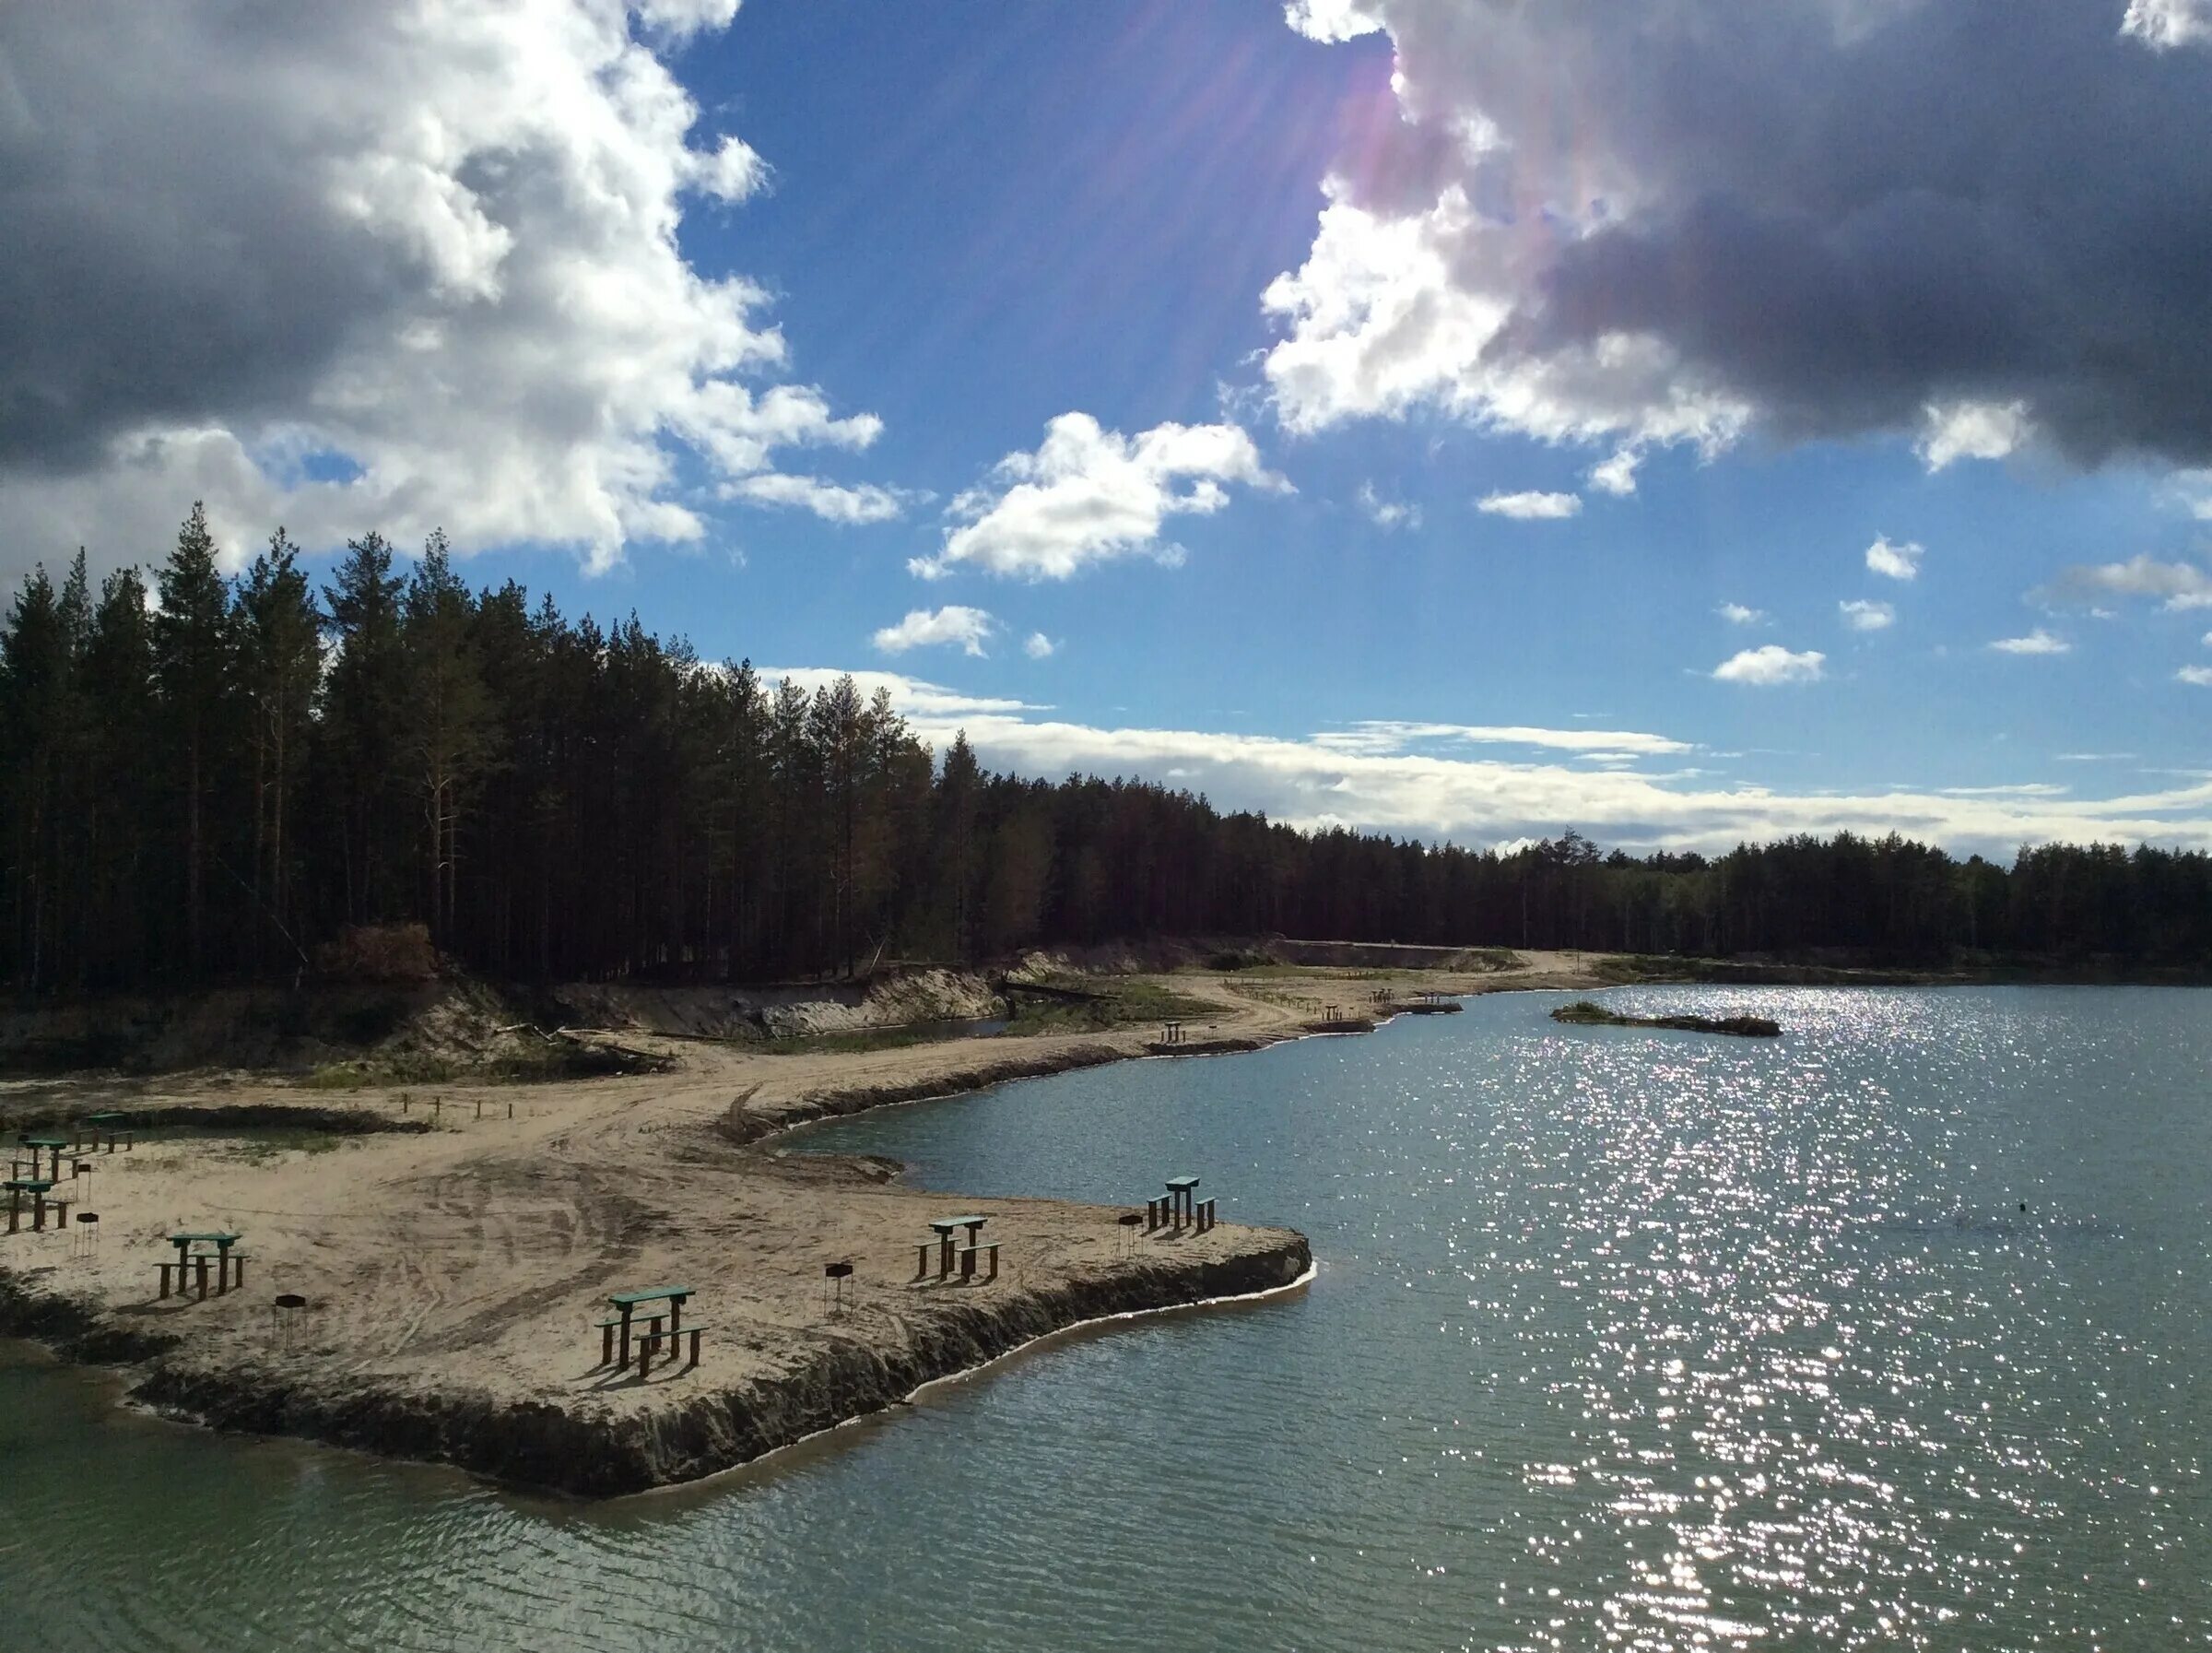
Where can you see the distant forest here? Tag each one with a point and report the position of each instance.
(218, 785)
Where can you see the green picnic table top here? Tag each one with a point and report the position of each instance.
(104, 1118)
(1183, 1182)
(632, 1299)
(221, 1242)
(26, 1185)
(945, 1225)
(31, 1141)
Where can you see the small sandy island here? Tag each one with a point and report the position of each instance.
(1589, 1013)
(455, 1260)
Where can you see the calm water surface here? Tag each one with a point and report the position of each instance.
(1620, 1341)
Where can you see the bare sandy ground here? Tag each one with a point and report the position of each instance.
(473, 1260)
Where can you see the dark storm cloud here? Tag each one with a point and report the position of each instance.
(1982, 201)
(1840, 211)
(164, 260)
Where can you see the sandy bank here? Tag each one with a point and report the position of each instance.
(454, 1275)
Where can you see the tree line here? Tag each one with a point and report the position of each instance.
(216, 779)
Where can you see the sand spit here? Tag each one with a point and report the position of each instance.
(453, 1276)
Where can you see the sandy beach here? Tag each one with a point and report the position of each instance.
(456, 1246)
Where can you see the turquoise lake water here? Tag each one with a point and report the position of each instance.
(1620, 1339)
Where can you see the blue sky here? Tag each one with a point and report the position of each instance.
(1257, 544)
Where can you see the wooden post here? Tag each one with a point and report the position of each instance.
(625, 1309)
(165, 1268)
(607, 1344)
(199, 1276)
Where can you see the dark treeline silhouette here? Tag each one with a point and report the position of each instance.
(214, 785)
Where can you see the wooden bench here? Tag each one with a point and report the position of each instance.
(989, 1248)
(649, 1345)
(230, 1270)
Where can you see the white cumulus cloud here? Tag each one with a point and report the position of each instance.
(2038, 642)
(2177, 584)
(2167, 23)
(1617, 476)
(924, 628)
(832, 502)
(1498, 797)
(391, 265)
(1039, 647)
(1387, 515)
(1737, 614)
(1347, 19)
(1383, 735)
(1862, 616)
(1972, 431)
(1530, 507)
(2199, 675)
(1771, 664)
(1088, 495)
(1895, 560)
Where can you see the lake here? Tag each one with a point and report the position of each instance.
(1893, 1332)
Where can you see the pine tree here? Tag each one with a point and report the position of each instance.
(194, 681)
(449, 719)
(280, 668)
(364, 702)
(118, 675)
(34, 673)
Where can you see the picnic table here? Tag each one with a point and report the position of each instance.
(625, 1303)
(1183, 1196)
(37, 1145)
(37, 1187)
(93, 1126)
(216, 1242)
(943, 1227)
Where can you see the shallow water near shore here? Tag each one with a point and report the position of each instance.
(1621, 1338)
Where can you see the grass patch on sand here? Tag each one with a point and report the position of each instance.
(1108, 1002)
(257, 1150)
(562, 1059)
(866, 1039)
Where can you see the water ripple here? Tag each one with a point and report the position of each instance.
(1891, 1333)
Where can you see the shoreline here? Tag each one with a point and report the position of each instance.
(465, 1352)
(452, 1355)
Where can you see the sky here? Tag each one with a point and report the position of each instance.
(1686, 422)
